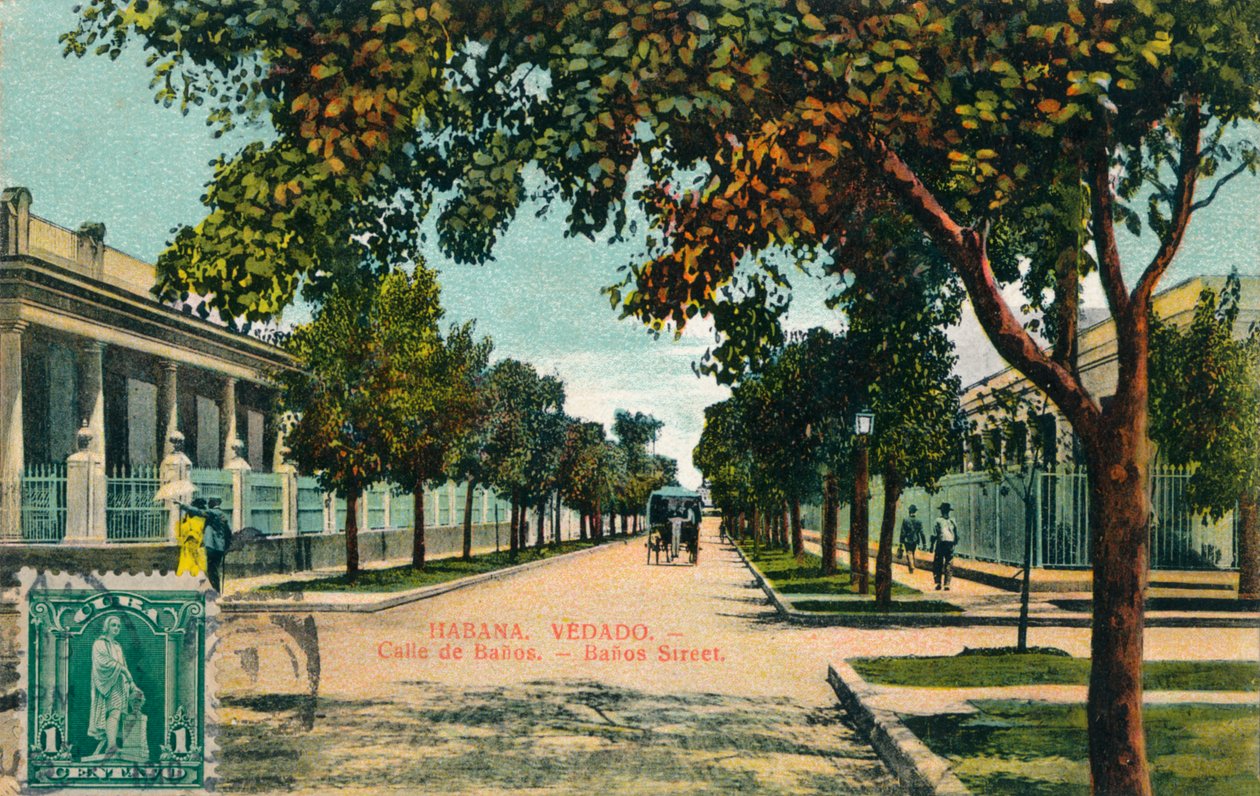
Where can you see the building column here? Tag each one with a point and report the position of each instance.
(227, 420)
(11, 449)
(168, 405)
(92, 393)
(85, 491)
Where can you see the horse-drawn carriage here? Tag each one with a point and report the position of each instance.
(673, 515)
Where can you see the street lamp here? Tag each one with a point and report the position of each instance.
(859, 519)
(864, 423)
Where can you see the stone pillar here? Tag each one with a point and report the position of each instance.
(387, 503)
(288, 492)
(176, 475)
(92, 392)
(237, 465)
(452, 515)
(11, 450)
(227, 420)
(85, 491)
(168, 406)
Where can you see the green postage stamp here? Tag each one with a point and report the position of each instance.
(117, 687)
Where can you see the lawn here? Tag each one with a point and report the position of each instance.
(1009, 747)
(980, 670)
(788, 576)
(866, 605)
(435, 571)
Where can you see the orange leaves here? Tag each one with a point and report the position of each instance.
(1048, 105)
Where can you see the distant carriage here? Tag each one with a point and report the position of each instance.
(673, 515)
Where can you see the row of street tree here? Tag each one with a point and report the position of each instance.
(381, 393)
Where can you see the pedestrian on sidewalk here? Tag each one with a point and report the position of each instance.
(944, 537)
(912, 536)
(217, 537)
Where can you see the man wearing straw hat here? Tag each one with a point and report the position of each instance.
(944, 537)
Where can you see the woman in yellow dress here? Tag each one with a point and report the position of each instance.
(192, 553)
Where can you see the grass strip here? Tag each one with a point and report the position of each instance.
(1017, 747)
(789, 576)
(867, 605)
(442, 570)
(977, 671)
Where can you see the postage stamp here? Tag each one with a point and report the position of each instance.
(115, 677)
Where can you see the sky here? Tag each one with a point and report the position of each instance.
(85, 137)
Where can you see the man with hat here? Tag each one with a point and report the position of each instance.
(912, 536)
(944, 537)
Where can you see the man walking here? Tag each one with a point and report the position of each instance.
(912, 536)
(944, 537)
(217, 537)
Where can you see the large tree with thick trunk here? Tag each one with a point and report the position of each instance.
(764, 125)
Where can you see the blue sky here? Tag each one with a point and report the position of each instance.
(86, 138)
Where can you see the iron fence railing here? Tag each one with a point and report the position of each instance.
(43, 496)
(310, 505)
(131, 513)
(265, 502)
(990, 519)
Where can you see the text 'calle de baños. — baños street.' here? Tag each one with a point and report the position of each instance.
(598, 642)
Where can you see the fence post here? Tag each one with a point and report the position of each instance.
(288, 497)
(85, 492)
(1038, 485)
(176, 484)
(240, 498)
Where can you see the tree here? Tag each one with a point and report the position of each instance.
(332, 397)
(428, 398)
(794, 121)
(1016, 419)
(899, 307)
(1205, 411)
(522, 445)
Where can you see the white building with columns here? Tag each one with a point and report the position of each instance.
(87, 353)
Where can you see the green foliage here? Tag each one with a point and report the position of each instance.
(524, 434)
(1033, 668)
(442, 570)
(1205, 400)
(1038, 748)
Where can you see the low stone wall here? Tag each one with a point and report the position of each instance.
(275, 554)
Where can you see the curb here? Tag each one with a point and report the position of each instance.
(284, 601)
(1060, 619)
(920, 770)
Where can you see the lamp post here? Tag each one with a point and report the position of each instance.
(859, 509)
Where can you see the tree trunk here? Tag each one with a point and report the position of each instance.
(1248, 546)
(798, 539)
(1119, 512)
(352, 535)
(513, 523)
(1030, 520)
(555, 521)
(522, 530)
(828, 530)
(625, 524)
(542, 516)
(417, 536)
(783, 527)
(859, 520)
(887, 525)
(468, 514)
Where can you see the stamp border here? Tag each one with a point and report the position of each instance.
(162, 580)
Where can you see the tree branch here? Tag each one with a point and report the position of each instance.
(1183, 206)
(1211, 197)
(966, 250)
(1103, 227)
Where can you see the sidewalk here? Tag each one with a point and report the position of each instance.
(244, 596)
(983, 604)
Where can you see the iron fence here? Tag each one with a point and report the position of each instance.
(213, 484)
(131, 513)
(43, 496)
(991, 519)
(310, 505)
(265, 502)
